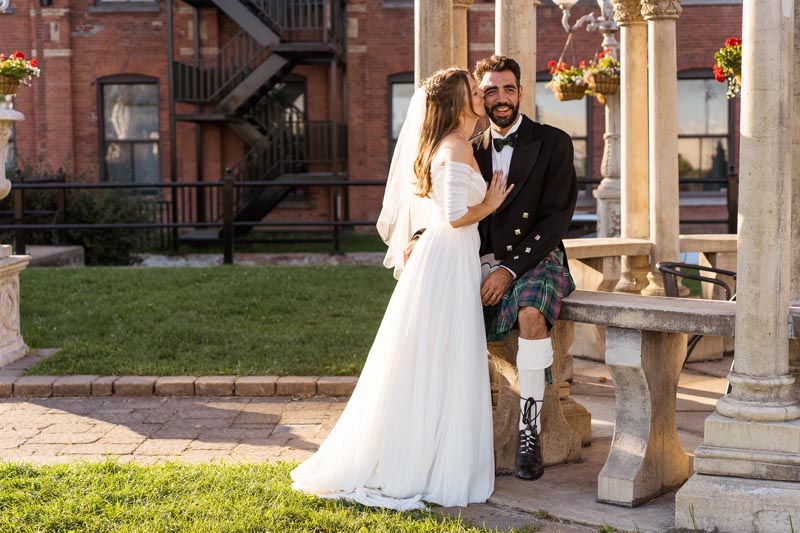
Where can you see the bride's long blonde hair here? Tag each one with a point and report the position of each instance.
(447, 91)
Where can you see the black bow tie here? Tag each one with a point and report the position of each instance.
(511, 141)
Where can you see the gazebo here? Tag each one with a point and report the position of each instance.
(747, 469)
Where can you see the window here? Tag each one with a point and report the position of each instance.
(401, 89)
(704, 143)
(572, 116)
(130, 130)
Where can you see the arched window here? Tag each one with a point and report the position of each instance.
(129, 129)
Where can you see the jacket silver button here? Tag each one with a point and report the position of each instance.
(517, 231)
(509, 248)
(538, 237)
(527, 250)
(525, 215)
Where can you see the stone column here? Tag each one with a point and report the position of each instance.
(663, 135)
(608, 192)
(794, 297)
(748, 467)
(515, 36)
(433, 41)
(460, 35)
(633, 141)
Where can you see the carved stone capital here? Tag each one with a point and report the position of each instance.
(628, 12)
(661, 9)
(462, 4)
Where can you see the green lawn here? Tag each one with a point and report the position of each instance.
(204, 321)
(110, 497)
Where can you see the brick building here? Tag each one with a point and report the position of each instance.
(179, 90)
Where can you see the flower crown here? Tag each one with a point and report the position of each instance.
(432, 86)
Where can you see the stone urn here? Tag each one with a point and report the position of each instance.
(12, 347)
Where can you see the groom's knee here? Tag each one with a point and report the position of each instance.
(532, 324)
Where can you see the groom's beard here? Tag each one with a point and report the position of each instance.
(506, 121)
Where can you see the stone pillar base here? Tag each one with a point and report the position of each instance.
(12, 347)
(766, 450)
(731, 504)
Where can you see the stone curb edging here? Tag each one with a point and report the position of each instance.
(242, 386)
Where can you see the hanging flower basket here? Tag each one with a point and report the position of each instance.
(568, 91)
(8, 85)
(601, 83)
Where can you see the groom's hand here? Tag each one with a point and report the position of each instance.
(495, 285)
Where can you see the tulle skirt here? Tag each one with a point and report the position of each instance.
(418, 426)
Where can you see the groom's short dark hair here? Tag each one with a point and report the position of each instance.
(496, 64)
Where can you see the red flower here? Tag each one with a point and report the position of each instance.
(33, 62)
(718, 74)
(17, 55)
(733, 41)
(582, 64)
(604, 53)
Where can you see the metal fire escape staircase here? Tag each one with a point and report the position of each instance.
(241, 87)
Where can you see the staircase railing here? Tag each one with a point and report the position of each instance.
(306, 20)
(293, 147)
(209, 79)
(268, 113)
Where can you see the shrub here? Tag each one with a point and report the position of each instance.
(112, 206)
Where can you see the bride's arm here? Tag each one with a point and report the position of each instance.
(456, 181)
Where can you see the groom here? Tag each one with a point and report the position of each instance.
(523, 259)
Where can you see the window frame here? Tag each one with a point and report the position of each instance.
(544, 76)
(400, 77)
(730, 137)
(124, 79)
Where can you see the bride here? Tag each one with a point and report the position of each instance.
(419, 423)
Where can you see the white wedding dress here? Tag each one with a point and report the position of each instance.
(419, 423)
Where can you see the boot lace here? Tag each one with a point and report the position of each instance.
(529, 436)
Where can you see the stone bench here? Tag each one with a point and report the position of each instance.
(645, 348)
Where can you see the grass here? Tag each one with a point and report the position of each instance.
(204, 321)
(108, 497)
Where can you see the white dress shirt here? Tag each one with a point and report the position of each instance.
(500, 161)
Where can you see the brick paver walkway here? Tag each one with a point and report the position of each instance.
(153, 430)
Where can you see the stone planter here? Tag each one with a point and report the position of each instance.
(12, 347)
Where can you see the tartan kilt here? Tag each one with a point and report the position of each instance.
(541, 287)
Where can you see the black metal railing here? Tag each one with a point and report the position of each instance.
(170, 209)
(181, 196)
(267, 112)
(294, 147)
(302, 20)
(210, 79)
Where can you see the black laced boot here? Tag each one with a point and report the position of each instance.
(528, 462)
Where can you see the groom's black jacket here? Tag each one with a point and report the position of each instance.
(536, 215)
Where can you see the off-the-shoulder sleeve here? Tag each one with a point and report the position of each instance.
(456, 189)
